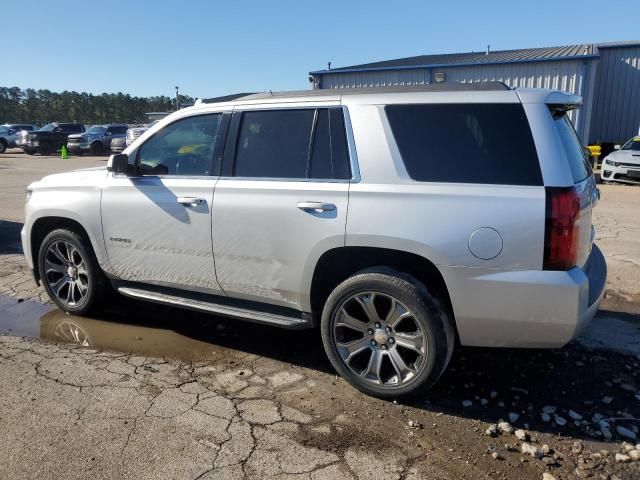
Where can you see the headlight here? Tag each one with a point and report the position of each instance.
(27, 195)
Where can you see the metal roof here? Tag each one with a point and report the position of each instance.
(587, 50)
(433, 87)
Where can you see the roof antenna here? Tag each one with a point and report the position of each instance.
(328, 65)
(488, 50)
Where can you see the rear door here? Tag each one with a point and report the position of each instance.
(281, 201)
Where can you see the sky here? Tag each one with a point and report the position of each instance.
(210, 48)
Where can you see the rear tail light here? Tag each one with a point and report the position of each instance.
(561, 231)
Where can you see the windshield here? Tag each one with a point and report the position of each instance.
(633, 144)
(97, 129)
(48, 127)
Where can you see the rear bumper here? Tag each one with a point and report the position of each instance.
(525, 308)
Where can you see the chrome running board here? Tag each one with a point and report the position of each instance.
(256, 316)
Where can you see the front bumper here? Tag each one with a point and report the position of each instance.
(611, 173)
(78, 147)
(525, 308)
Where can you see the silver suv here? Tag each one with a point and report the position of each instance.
(399, 221)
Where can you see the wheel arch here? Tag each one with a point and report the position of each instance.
(336, 265)
(42, 226)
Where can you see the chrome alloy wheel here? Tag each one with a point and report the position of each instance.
(379, 339)
(65, 273)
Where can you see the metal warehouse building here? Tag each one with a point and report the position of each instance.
(606, 75)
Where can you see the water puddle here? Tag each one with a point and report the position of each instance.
(152, 330)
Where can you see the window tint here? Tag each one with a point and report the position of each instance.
(466, 143)
(72, 128)
(184, 147)
(274, 144)
(578, 161)
(305, 143)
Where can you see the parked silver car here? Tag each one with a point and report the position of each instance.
(397, 220)
(8, 134)
(96, 140)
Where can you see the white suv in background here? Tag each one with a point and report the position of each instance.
(398, 220)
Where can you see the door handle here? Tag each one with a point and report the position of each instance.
(316, 206)
(191, 201)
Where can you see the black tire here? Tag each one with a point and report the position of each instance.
(3, 146)
(29, 151)
(46, 148)
(95, 281)
(427, 313)
(96, 148)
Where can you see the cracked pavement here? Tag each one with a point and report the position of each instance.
(148, 392)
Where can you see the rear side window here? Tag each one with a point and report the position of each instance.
(117, 130)
(578, 161)
(73, 128)
(300, 144)
(466, 143)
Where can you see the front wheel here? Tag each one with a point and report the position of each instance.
(96, 148)
(70, 272)
(3, 146)
(386, 334)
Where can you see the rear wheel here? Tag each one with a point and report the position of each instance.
(3, 146)
(70, 272)
(386, 334)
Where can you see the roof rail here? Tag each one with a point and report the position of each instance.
(227, 98)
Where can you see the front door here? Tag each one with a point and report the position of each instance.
(280, 203)
(157, 224)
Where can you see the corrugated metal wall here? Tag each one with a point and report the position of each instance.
(616, 103)
(562, 75)
(383, 78)
(559, 75)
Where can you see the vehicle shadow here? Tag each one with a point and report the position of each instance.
(10, 237)
(497, 382)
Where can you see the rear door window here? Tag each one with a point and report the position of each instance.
(578, 161)
(292, 144)
(466, 143)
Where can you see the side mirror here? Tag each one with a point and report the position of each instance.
(107, 134)
(616, 147)
(119, 163)
(11, 131)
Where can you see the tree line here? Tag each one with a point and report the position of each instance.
(44, 106)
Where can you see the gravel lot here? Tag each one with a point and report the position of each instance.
(152, 392)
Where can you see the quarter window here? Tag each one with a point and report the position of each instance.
(466, 143)
(578, 161)
(300, 144)
(184, 147)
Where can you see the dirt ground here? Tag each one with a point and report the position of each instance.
(145, 391)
